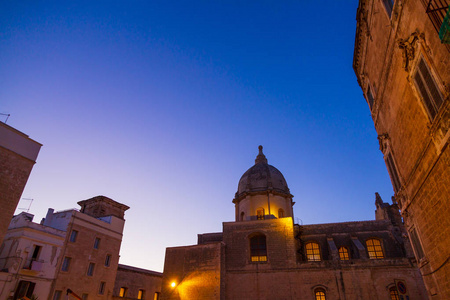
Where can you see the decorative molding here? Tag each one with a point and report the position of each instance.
(383, 140)
(409, 47)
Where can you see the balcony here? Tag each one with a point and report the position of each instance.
(438, 11)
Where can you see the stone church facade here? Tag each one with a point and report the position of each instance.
(264, 255)
(402, 63)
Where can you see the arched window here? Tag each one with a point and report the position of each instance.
(393, 293)
(343, 253)
(258, 249)
(374, 249)
(312, 251)
(242, 216)
(260, 213)
(319, 294)
(280, 213)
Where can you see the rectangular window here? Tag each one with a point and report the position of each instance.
(101, 289)
(388, 5)
(108, 260)
(90, 270)
(66, 264)
(24, 289)
(123, 292)
(84, 297)
(393, 172)
(428, 89)
(258, 249)
(416, 244)
(140, 294)
(57, 295)
(96, 243)
(156, 297)
(73, 236)
(370, 98)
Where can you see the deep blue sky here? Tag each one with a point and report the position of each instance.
(162, 105)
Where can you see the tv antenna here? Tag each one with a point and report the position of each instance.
(7, 116)
(29, 206)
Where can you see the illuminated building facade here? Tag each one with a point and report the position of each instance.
(401, 60)
(264, 255)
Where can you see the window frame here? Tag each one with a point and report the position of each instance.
(258, 248)
(73, 236)
(262, 215)
(394, 292)
(373, 254)
(281, 213)
(416, 244)
(91, 269)
(141, 294)
(57, 295)
(108, 258)
(425, 94)
(65, 266)
(97, 243)
(123, 291)
(320, 293)
(345, 254)
(101, 288)
(393, 171)
(314, 253)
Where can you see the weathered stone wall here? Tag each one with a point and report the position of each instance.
(82, 253)
(196, 272)
(18, 154)
(387, 51)
(279, 239)
(14, 172)
(135, 279)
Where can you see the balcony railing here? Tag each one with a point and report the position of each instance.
(438, 12)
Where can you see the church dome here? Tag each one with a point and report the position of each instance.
(262, 177)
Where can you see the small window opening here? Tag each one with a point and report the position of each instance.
(319, 294)
(343, 253)
(312, 251)
(258, 249)
(393, 293)
(374, 249)
(96, 243)
(260, 214)
(123, 292)
(73, 236)
(280, 213)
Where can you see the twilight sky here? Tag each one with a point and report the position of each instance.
(161, 105)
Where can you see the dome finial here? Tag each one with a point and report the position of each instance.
(261, 158)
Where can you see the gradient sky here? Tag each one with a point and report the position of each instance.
(161, 105)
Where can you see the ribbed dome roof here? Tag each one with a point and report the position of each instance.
(262, 177)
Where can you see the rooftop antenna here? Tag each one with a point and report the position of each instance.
(29, 206)
(7, 116)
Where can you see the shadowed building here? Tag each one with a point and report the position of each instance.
(402, 63)
(18, 154)
(264, 255)
(136, 284)
(76, 250)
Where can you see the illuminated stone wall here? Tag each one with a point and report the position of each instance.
(193, 272)
(386, 60)
(135, 279)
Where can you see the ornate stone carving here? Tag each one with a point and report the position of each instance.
(383, 139)
(409, 46)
